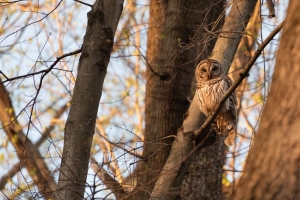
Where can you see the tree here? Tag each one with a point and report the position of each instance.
(178, 41)
(80, 126)
(272, 167)
(125, 162)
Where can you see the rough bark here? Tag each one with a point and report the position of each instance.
(80, 126)
(204, 176)
(232, 31)
(172, 23)
(27, 152)
(272, 169)
(177, 163)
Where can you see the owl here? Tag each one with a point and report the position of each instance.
(211, 86)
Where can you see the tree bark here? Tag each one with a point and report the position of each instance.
(272, 169)
(204, 176)
(178, 161)
(172, 55)
(80, 126)
(203, 179)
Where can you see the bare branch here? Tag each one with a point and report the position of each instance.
(44, 17)
(109, 181)
(120, 147)
(51, 127)
(11, 173)
(45, 71)
(84, 3)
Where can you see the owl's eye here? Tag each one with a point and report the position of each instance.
(214, 68)
(204, 70)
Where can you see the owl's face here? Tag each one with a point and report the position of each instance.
(207, 70)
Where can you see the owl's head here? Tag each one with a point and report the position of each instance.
(208, 69)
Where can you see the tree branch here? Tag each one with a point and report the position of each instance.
(45, 71)
(48, 130)
(17, 167)
(11, 173)
(84, 3)
(116, 188)
(120, 147)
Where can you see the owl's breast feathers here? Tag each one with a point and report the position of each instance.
(211, 92)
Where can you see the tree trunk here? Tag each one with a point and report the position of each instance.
(272, 169)
(204, 177)
(80, 126)
(172, 53)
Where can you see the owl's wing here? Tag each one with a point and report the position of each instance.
(232, 98)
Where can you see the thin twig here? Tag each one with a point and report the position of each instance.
(48, 130)
(120, 147)
(191, 188)
(107, 179)
(22, 28)
(3, 74)
(46, 71)
(84, 3)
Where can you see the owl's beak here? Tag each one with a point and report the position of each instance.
(208, 75)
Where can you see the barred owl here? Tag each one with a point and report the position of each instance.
(211, 86)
